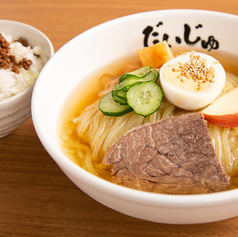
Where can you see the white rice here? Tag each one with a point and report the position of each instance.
(12, 83)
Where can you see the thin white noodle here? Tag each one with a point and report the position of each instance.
(95, 122)
(99, 132)
(84, 123)
(226, 148)
(169, 112)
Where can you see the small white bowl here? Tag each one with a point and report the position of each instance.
(111, 41)
(16, 110)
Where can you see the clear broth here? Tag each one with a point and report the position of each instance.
(84, 95)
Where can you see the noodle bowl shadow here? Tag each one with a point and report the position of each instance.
(119, 38)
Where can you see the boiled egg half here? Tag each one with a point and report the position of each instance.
(192, 80)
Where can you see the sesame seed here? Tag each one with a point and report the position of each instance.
(196, 69)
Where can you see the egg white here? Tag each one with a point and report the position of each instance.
(193, 100)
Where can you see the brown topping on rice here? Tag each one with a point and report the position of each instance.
(25, 63)
(4, 44)
(8, 61)
(22, 41)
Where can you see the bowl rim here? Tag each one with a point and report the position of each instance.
(111, 189)
(33, 29)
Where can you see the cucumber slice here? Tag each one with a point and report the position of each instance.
(126, 84)
(156, 75)
(121, 94)
(141, 72)
(121, 101)
(111, 108)
(145, 98)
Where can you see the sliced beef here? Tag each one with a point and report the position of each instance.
(173, 156)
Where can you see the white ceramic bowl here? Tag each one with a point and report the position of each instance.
(108, 42)
(17, 109)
